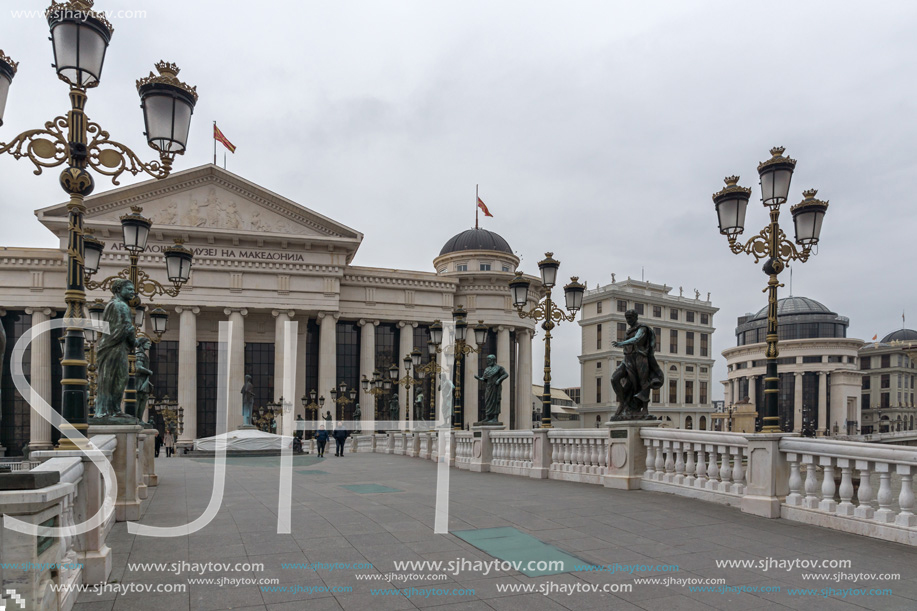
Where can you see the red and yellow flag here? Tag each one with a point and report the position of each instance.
(483, 208)
(219, 137)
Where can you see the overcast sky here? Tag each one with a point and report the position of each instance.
(596, 130)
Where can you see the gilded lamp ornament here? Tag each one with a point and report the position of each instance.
(772, 246)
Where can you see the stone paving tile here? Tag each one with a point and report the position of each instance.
(97, 605)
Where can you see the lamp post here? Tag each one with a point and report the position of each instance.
(773, 246)
(80, 38)
(431, 368)
(135, 230)
(550, 313)
(311, 407)
(345, 398)
(407, 381)
(460, 350)
(377, 387)
(96, 308)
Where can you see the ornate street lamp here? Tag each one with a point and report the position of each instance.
(80, 38)
(550, 312)
(311, 407)
(407, 381)
(460, 349)
(346, 398)
(772, 246)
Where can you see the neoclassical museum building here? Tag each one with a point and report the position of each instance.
(819, 373)
(261, 260)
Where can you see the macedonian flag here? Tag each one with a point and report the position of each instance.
(219, 137)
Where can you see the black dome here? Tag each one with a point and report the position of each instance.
(476, 239)
(904, 335)
(795, 305)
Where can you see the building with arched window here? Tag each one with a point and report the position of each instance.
(261, 260)
(819, 376)
(888, 383)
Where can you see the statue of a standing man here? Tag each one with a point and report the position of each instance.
(112, 350)
(493, 378)
(446, 388)
(248, 400)
(143, 373)
(638, 374)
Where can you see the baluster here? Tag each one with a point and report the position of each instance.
(827, 485)
(603, 456)
(885, 513)
(578, 451)
(517, 452)
(669, 461)
(690, 465)
(679, 463)
(701, 480)
(660, 460)
(555, 452)
(593, 456)
(568, 453)
(650, 459)
(864, 492)
(713, 468)
(811, 485)
(794, 498)
(725, 470)
(738, 471)
(845, 508)
(906, 498)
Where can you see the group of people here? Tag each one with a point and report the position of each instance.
(339, 434)
(167, 440)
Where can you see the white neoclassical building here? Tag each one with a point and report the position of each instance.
(261, 260)
(819, 375)
(888, 383)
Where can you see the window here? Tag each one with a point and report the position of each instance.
(485, 267)
(656, 395)
(673, 341)
(673, 314)
(811, 359)
(673, 391)
(598, 307)
(461, 267)
(598, 337)
(657, 311)
(506, 268)
(598, 364)
(622, 331)
(689, 316)
(622, 305)
(886, 361)
(886, 381)
(689, 368)
(864, 401)
(703, 370)
(705, 319)
(259, 363)
(883, 400)
(865, 362)
(441, 270)
(866, 382)
(639, 308)
(703, 393)
(689, 342)
(835, 359)
(658, 333)
(689, 392)
(704, 344)
(789, 360)
(598, 390)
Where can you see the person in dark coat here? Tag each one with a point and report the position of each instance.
(339, 434)
(321, 438)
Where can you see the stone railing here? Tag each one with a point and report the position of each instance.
(464, 444)
(18, 465)
(814, 495)
(512, 452)
(578, 455)
(700, 464)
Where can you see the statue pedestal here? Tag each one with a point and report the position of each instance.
(147, 458)
(482, 447)
(488, 426)
(626, 453)
(246, 427)
(124, 462)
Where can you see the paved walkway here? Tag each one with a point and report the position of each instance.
(334, 524)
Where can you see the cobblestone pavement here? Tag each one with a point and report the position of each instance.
(343, 536)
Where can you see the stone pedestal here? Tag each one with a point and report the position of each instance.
(148, 458)
(412, 444)
(541, 454)
(482, 447)
(138, 465)
(390, 442)
(124, 462)
(767, 475)
(626, 458)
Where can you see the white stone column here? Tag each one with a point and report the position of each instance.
(301, 355)
(367, 366)
(236, 366)
(752, 392)
(187, 369)
(470, 403)
(327, 359)
(280, 319)
(39, 428)
(524, 380)
(822, 424)
(797, 403)
(503, 358)
(405, 345)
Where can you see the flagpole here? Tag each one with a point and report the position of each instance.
(214, 143)
(476, 207)
(224, 160)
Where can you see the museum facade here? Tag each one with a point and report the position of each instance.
(261, 260)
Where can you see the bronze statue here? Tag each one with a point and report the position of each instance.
(248, 400)
(446, 387)
(493, 378)
(327, 417)
(112, 350)
(418, 407)
(638, 374)
(393, 408)
(143, 373)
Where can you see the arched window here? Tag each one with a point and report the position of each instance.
(703, 423)
(689, 422)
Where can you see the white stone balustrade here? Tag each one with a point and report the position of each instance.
(464, 442)
(512, 452)
(579, 455)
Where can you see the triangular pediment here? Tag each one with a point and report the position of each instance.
(209, 200)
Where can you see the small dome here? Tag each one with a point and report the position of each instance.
(795, 305)
(904, 335)
(476, 239)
